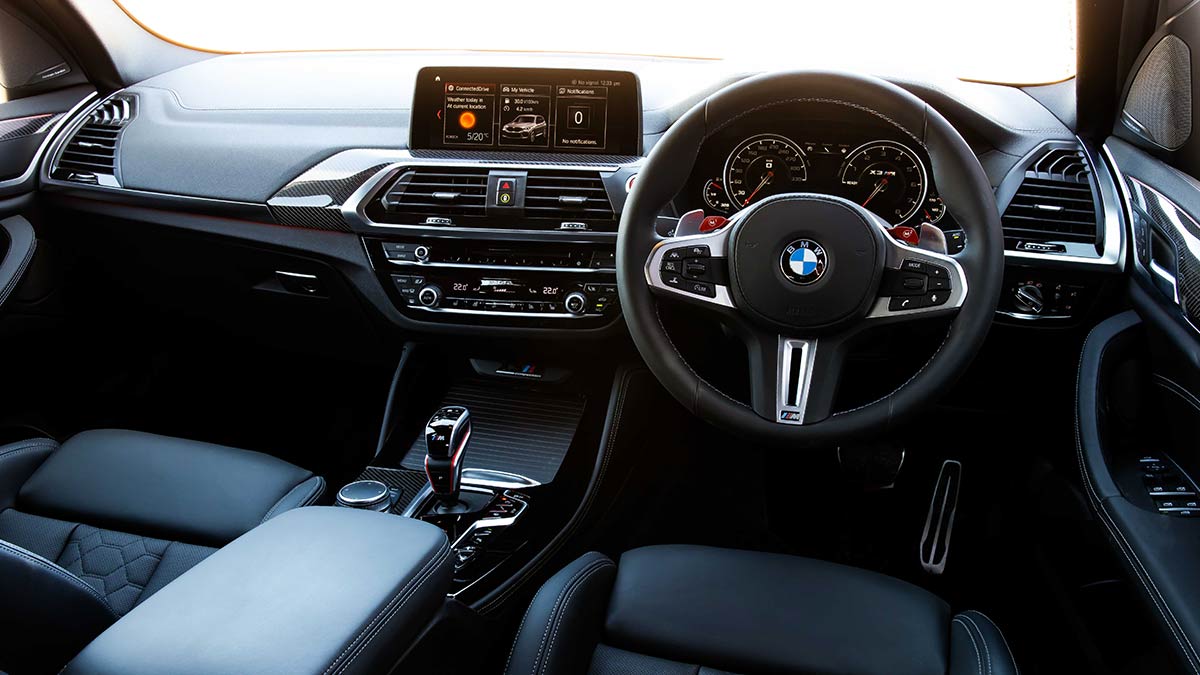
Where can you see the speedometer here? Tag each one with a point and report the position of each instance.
(887, 178)
(763, 166)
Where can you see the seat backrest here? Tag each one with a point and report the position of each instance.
(49, 614)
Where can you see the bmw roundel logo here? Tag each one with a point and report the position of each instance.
(804, 261)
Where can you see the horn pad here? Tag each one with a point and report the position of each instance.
(806, 261)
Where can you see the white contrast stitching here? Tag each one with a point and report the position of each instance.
(1118, 537)
(978, 658)
(567, 603)
(983, 639)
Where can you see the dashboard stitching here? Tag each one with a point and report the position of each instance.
(834, 101)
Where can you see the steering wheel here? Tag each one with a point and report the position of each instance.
(797, 276)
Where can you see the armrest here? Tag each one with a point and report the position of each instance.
(315, 590)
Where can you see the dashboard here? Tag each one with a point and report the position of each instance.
(461, 199)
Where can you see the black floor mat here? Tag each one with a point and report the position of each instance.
(513, 429)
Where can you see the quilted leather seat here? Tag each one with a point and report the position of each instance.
(694, 610)
(90, 529)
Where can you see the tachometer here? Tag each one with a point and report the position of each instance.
(887, 178)
(715, 196)
(763, 166)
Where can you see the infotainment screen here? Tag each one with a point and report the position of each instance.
(532, 109)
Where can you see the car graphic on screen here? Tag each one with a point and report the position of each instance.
(525, 128)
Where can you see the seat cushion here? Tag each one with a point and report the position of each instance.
(164, 487)
(91, 529)
(692, 609)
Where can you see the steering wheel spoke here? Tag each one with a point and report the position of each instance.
(794, 380)
(918, 284)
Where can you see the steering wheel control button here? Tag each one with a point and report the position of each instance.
(695, 269)
(672, 267)
(673, 254)
(902, 303)
(916, 285)
(700, 288)
(698, 251)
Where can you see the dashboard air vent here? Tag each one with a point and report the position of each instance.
(1054, 206)
(91, 154)
(439, 191)
(567, 196)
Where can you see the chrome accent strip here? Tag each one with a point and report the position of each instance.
(297, 275)
(528, 315)
(1034, 317)
(51, 139)
(516, 268)
(1114, 233)
(787, 400)
(497, 479)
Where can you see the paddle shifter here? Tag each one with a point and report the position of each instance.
(446, 437)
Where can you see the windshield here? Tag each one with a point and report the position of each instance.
(1015, 41)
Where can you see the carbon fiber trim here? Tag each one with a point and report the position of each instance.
(20, 127)
(409, 483)
(1187, 262)
(315, 198)
(512, 429)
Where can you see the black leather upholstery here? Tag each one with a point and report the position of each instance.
(91, 529)
(167, 487)
(316, 590)
(691, 609)
(1156, 549)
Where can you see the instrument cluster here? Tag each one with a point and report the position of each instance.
(876, 167)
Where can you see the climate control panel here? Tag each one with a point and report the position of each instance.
(530, 283)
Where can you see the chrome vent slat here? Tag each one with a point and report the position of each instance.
(1056, 201)
(90, 156)
(439, 192)
(567, 195)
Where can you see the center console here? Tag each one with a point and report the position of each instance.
(504, 210)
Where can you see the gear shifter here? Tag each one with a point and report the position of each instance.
(446, 437)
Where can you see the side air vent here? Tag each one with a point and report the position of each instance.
(439, 191)
(1055, 206)
(567, 196)
(91, 154)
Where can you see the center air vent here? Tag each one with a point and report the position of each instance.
(91, 154)
(1054, 208)
(439, 191)
(567, 196)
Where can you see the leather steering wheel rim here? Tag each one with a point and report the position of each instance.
(961, 182)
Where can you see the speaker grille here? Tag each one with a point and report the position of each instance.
(1159, 103)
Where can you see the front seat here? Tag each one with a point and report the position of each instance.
(671, 610)
(92, 528)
